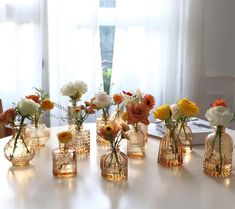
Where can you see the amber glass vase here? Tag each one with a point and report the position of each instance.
(218, 153)
(64, 161)
(114, 165)
(136, 143)
(80, 140)
(170, 149)
(185, 135)
(99, 123)
(38, 135)
(18, 150)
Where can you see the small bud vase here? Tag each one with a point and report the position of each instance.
(218, 153)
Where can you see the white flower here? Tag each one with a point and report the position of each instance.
(219, 116)
(102, 99)
(27, 107)
(80, 87)
(127, 99)
(68, 89)
(175, 111)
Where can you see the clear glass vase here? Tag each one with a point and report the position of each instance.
(80, 140)
(170, 149)
(136, 143)
(64, 161)
(184, 132)
(114, 165)
(100, 122)
(144, 129)
(18, 150)
(117, 117)
(39, 135)
(218, 154)
(70, 112)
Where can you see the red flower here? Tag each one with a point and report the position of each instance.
(117, 98)
(149, 101)
(127, 93)
(34, 97)
(219, 102)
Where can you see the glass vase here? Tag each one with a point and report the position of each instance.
(38, 135)
(64, 161)
(170, 149)
(218, 154)
(185, 135)
(70, 112)
(136, 143)
(100, 122)
(144, 129)
(18, 150)
(117, 117)
(114, 165)
(81, 140)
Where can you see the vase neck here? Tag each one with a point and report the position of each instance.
(19, 131)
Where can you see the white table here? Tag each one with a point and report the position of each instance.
(149, 185)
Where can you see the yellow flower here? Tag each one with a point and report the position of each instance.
(108, 129)
(188, 108)
(47, 104)
(163, 112)
(64, 136)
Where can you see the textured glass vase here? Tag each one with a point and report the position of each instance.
(170, 149)
(218, 154)
(64, 161)
(114, 165)
(99, 123)
(136, 143)
(80, 140)
(40, 135)
(184, 132)
(144, 129)
(70, 112)
(18, 150)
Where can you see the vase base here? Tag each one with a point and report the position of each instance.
(64, 175)
(136, 155)
(210, 169)
(169, 163)
(186, 150)
(20, 164)
(114, 176)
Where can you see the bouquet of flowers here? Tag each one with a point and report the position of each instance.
(74, 90)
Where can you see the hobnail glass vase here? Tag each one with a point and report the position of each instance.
(64, 161)
(136, 143)
(100, 122)
(18, 150)
(114, 165)
(185, 135)
(38, 135)
(170, 149)
(218, 153)
(80, 140)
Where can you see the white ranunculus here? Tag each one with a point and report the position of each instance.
(219, 116)
(81, 87)
(175, 111)
(68, 89)
(102, 99)
(27, 107)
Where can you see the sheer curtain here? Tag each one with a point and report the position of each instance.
(158, 48)
(20, 49)
(74, 47)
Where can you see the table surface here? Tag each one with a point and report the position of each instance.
(149, 185)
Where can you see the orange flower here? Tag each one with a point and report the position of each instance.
(149, 101)
(34, 97)
(47, 104)
(219, 102)
(137, 113)
(109, 131)
(8, 116)
(64, 136)
(117, 98)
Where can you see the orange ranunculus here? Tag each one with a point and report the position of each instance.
(219, 102)
(8, 116)
(109, 131)
(149, 101)
(64, 136)
(137, 113)
(117, 98)
(47, 104)
(34, 97)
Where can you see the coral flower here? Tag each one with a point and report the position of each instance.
(149, 101)
(137, 113)
(64, 136)
(117, 98)
(219, 102)
(34, 97)
(47, 104)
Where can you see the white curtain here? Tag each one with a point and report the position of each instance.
(20, 49)
(158, 48)
(74, 48)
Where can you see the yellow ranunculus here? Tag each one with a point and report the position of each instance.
(188, 108)
(64, 136)
(47, 104)
(163, 112)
